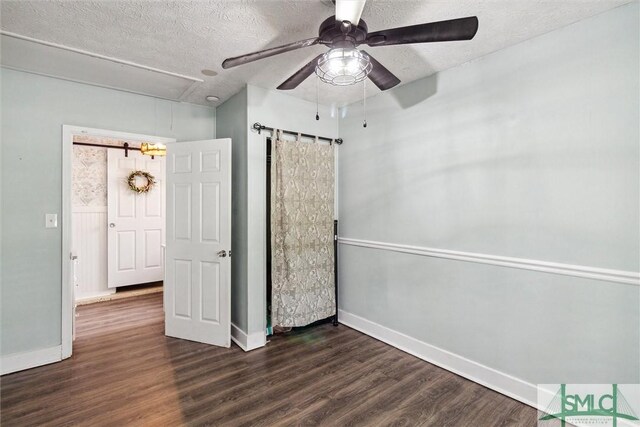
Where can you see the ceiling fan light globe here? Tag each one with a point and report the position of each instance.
(343, 66)
(335, 65)
(353, 66)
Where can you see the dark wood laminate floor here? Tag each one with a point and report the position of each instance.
(124, 371)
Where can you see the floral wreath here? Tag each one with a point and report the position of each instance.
(131, 180)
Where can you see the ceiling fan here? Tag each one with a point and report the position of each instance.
(344, 64)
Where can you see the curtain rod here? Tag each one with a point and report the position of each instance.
(259, 127)
(124, 147)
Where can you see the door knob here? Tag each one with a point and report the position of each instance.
(222, 253)
(112, 225)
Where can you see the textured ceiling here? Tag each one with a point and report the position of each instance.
(188, 36)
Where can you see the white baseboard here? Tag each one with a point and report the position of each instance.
(499, 381)
(29, 359)
(245, 341)
(89, 297)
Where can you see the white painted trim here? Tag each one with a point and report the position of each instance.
(501, 382)
(29, 359)
(238, 336)
(604, 274)
(245, 341)
(68, 303)
(94, 296)
(256, 340)
(97, 55)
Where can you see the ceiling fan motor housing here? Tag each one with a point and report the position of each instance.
(332, 33)
(344, 64)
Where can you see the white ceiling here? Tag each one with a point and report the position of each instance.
(185, 37)
(19, 53)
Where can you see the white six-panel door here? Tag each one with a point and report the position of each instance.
(136, 222)
(198, 264)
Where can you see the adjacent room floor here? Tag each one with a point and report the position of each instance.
(124, 371)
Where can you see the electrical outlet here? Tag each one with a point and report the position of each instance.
(51, 220)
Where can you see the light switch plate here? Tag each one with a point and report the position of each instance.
(51, 221)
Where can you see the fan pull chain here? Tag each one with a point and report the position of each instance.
(364, 101)
(317, 97)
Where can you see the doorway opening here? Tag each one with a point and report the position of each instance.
(113, 223)
(118, 214)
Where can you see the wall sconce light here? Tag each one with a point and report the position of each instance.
(153, 149)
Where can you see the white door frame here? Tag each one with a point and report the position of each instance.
(68, 131)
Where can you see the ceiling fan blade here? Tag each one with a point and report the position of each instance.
(349, 10)
(380, 76)
(300, 75)
(250, 57)
(443, 31)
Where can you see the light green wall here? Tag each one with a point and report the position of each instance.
(232, 123)
(34, 108)
(234, 120)
(529, 152)
(279, 110)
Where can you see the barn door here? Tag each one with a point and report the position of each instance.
(135, 232)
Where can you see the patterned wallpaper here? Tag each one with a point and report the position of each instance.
(89, 176)
(90, 171)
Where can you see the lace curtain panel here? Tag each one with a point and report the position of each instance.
(302, 206)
